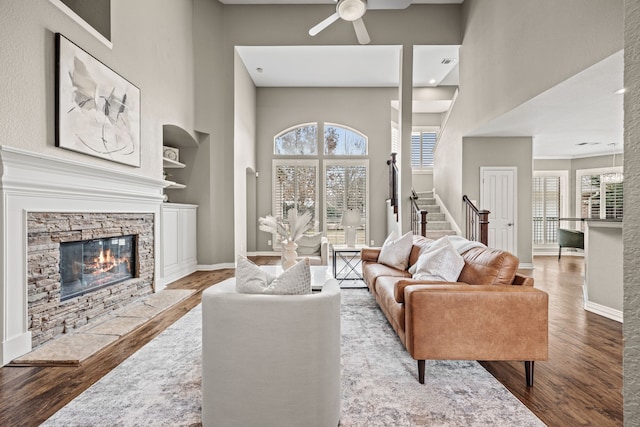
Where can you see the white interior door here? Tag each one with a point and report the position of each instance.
(498, 195)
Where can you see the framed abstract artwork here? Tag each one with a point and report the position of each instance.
(97, 110)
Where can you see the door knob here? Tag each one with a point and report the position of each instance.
(510, 224)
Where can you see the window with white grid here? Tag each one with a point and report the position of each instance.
(295, 184)
(346, 183)
(296, 180)
(547, 205)
(598, 198)
(422, 145)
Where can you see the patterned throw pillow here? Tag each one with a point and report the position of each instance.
(251, 279)
(395, 251)
(440, 262)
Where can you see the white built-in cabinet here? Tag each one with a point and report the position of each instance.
(179, 241)
(178, 221)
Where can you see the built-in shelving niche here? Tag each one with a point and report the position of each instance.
(177, 137)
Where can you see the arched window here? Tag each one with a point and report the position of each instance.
(300, 140)
(299, 171)
(343, 141)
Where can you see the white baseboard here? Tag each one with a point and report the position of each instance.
(526, 265)
(604, 311)
(212, 267)
(553, 251)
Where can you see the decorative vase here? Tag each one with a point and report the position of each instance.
(289, 254)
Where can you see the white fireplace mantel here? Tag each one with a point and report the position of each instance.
(34, 182)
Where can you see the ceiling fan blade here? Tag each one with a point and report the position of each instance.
(324, 24)
(388, 4)
(361, 31)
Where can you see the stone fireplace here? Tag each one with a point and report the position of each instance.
(47, 201)
(81, 266)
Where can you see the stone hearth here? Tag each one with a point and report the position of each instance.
(48, 315)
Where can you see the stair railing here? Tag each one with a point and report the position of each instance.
(393, 183)
(477, 222)
(418, 216)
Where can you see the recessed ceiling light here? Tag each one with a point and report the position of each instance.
(620, 91)
(432, 81)
(259, 69)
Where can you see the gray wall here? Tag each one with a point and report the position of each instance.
(224, 27)
(212, 181)
(364, 109)
(504, 61)
(631, 226)
(244, 133)
(512, 152)
(152, 48)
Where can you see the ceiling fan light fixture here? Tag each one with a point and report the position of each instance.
(351, 10)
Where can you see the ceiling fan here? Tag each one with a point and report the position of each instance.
(353, 11)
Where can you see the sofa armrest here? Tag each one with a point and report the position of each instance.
(476, 322)
(370, 254)
(522, 280)
(324, 251)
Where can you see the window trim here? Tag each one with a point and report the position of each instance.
(595, 171)
(424, 129)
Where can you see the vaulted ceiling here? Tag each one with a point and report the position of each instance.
(580, 117)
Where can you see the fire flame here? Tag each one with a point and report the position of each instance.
(105, 261)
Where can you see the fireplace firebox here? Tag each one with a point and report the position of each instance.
(89, 265)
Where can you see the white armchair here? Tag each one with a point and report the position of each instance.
(317, 252)
(270, 360)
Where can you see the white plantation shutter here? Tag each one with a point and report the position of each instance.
(547, 197)
(613, 200)
(597, 198)
(295, 184)
(590, 196)
(395, 139)
(345, 188)
(422, 145)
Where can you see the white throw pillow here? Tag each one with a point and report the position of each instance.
(251, 279)
(309, 244)
(440, 262)
(395, 251)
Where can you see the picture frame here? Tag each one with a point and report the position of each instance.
(97, 110)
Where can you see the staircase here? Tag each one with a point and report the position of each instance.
(437, 225)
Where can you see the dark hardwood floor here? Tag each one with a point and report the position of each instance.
(580, 384)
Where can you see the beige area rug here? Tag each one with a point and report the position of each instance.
(73, 348)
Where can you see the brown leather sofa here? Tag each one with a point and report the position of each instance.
(491, 313)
